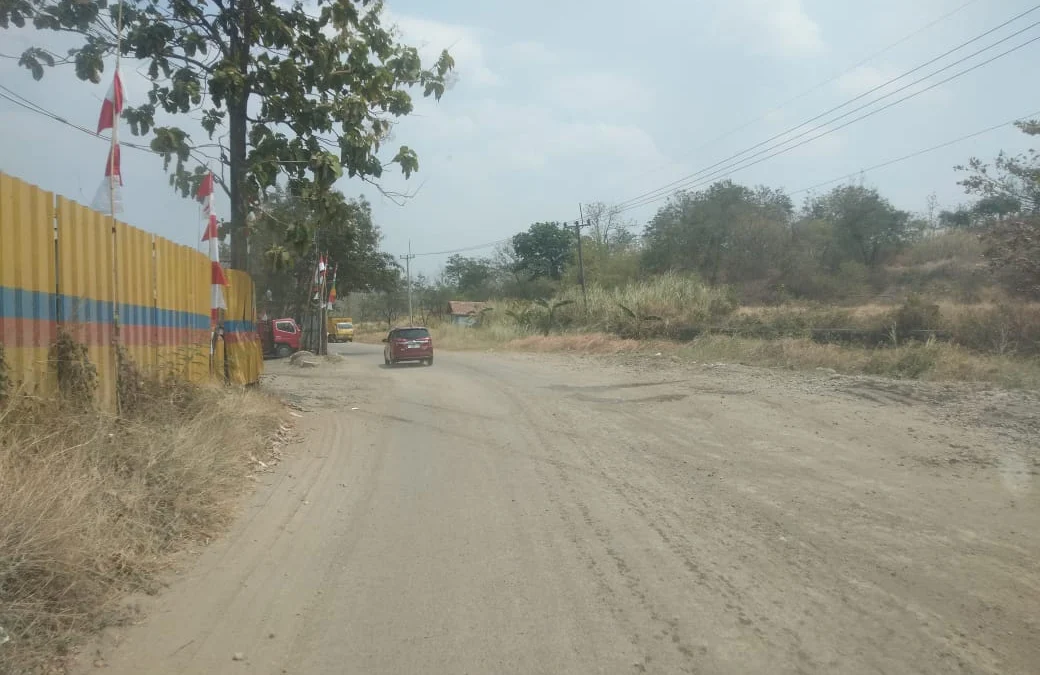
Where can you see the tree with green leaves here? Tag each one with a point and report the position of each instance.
(286, 236)
(544, 250)
(470, 278)
(866, 225)
(723, 233)
(283, 93)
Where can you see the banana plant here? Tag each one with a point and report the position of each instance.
(641, 319)
(523, 317)
(550, 312)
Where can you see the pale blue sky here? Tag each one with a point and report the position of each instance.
(561, 102)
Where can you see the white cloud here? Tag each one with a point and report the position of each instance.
(431, 37)
(599, 91)
(781, 26)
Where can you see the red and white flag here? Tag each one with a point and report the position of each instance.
(205, 189)
(113, 105)
(319, 272)
(108, 199)
(108, 194)
(212, 230)
(212, 234)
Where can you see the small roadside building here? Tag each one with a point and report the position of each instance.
(464, 313)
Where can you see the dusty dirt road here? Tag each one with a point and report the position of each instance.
(520, 514)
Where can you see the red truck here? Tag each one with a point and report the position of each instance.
(279, 337)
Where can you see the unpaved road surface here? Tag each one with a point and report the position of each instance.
(520, 514)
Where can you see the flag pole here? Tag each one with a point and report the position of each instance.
(113, 149)
(323, 341)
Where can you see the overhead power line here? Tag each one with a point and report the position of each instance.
(916, 153)
(911, 155)
(693, 182)
(25, 103)
(466, 249)
(19, 100)
(651, 195)
(816, 87)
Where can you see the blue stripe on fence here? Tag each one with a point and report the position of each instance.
(20, 303)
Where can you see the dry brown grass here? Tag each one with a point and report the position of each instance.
(934, 361)
(582, 343)
(92, 508)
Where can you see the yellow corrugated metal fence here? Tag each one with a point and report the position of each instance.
(28, 322)
(58, 269)
(242, 344)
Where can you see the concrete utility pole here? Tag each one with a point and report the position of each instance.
(578, 224)
(408, 275)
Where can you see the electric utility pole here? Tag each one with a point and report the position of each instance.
(578, 224)
(408, 275)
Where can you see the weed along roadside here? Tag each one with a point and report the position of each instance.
(95, 506)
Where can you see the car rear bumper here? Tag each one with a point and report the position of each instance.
(411, 354)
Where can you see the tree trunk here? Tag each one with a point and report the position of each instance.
(237, 130)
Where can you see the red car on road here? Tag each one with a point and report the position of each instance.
(411, 343)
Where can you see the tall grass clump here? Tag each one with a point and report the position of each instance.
(92, 506)
(1004, 328)
(668, 305)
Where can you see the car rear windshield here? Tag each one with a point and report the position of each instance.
(412, 333)
(344, 326)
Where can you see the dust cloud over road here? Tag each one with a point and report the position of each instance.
(521, 514)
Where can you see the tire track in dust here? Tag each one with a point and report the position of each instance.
(340, 544)
(805, 561)
(669, 627)
(669, 631)
(244, 541)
